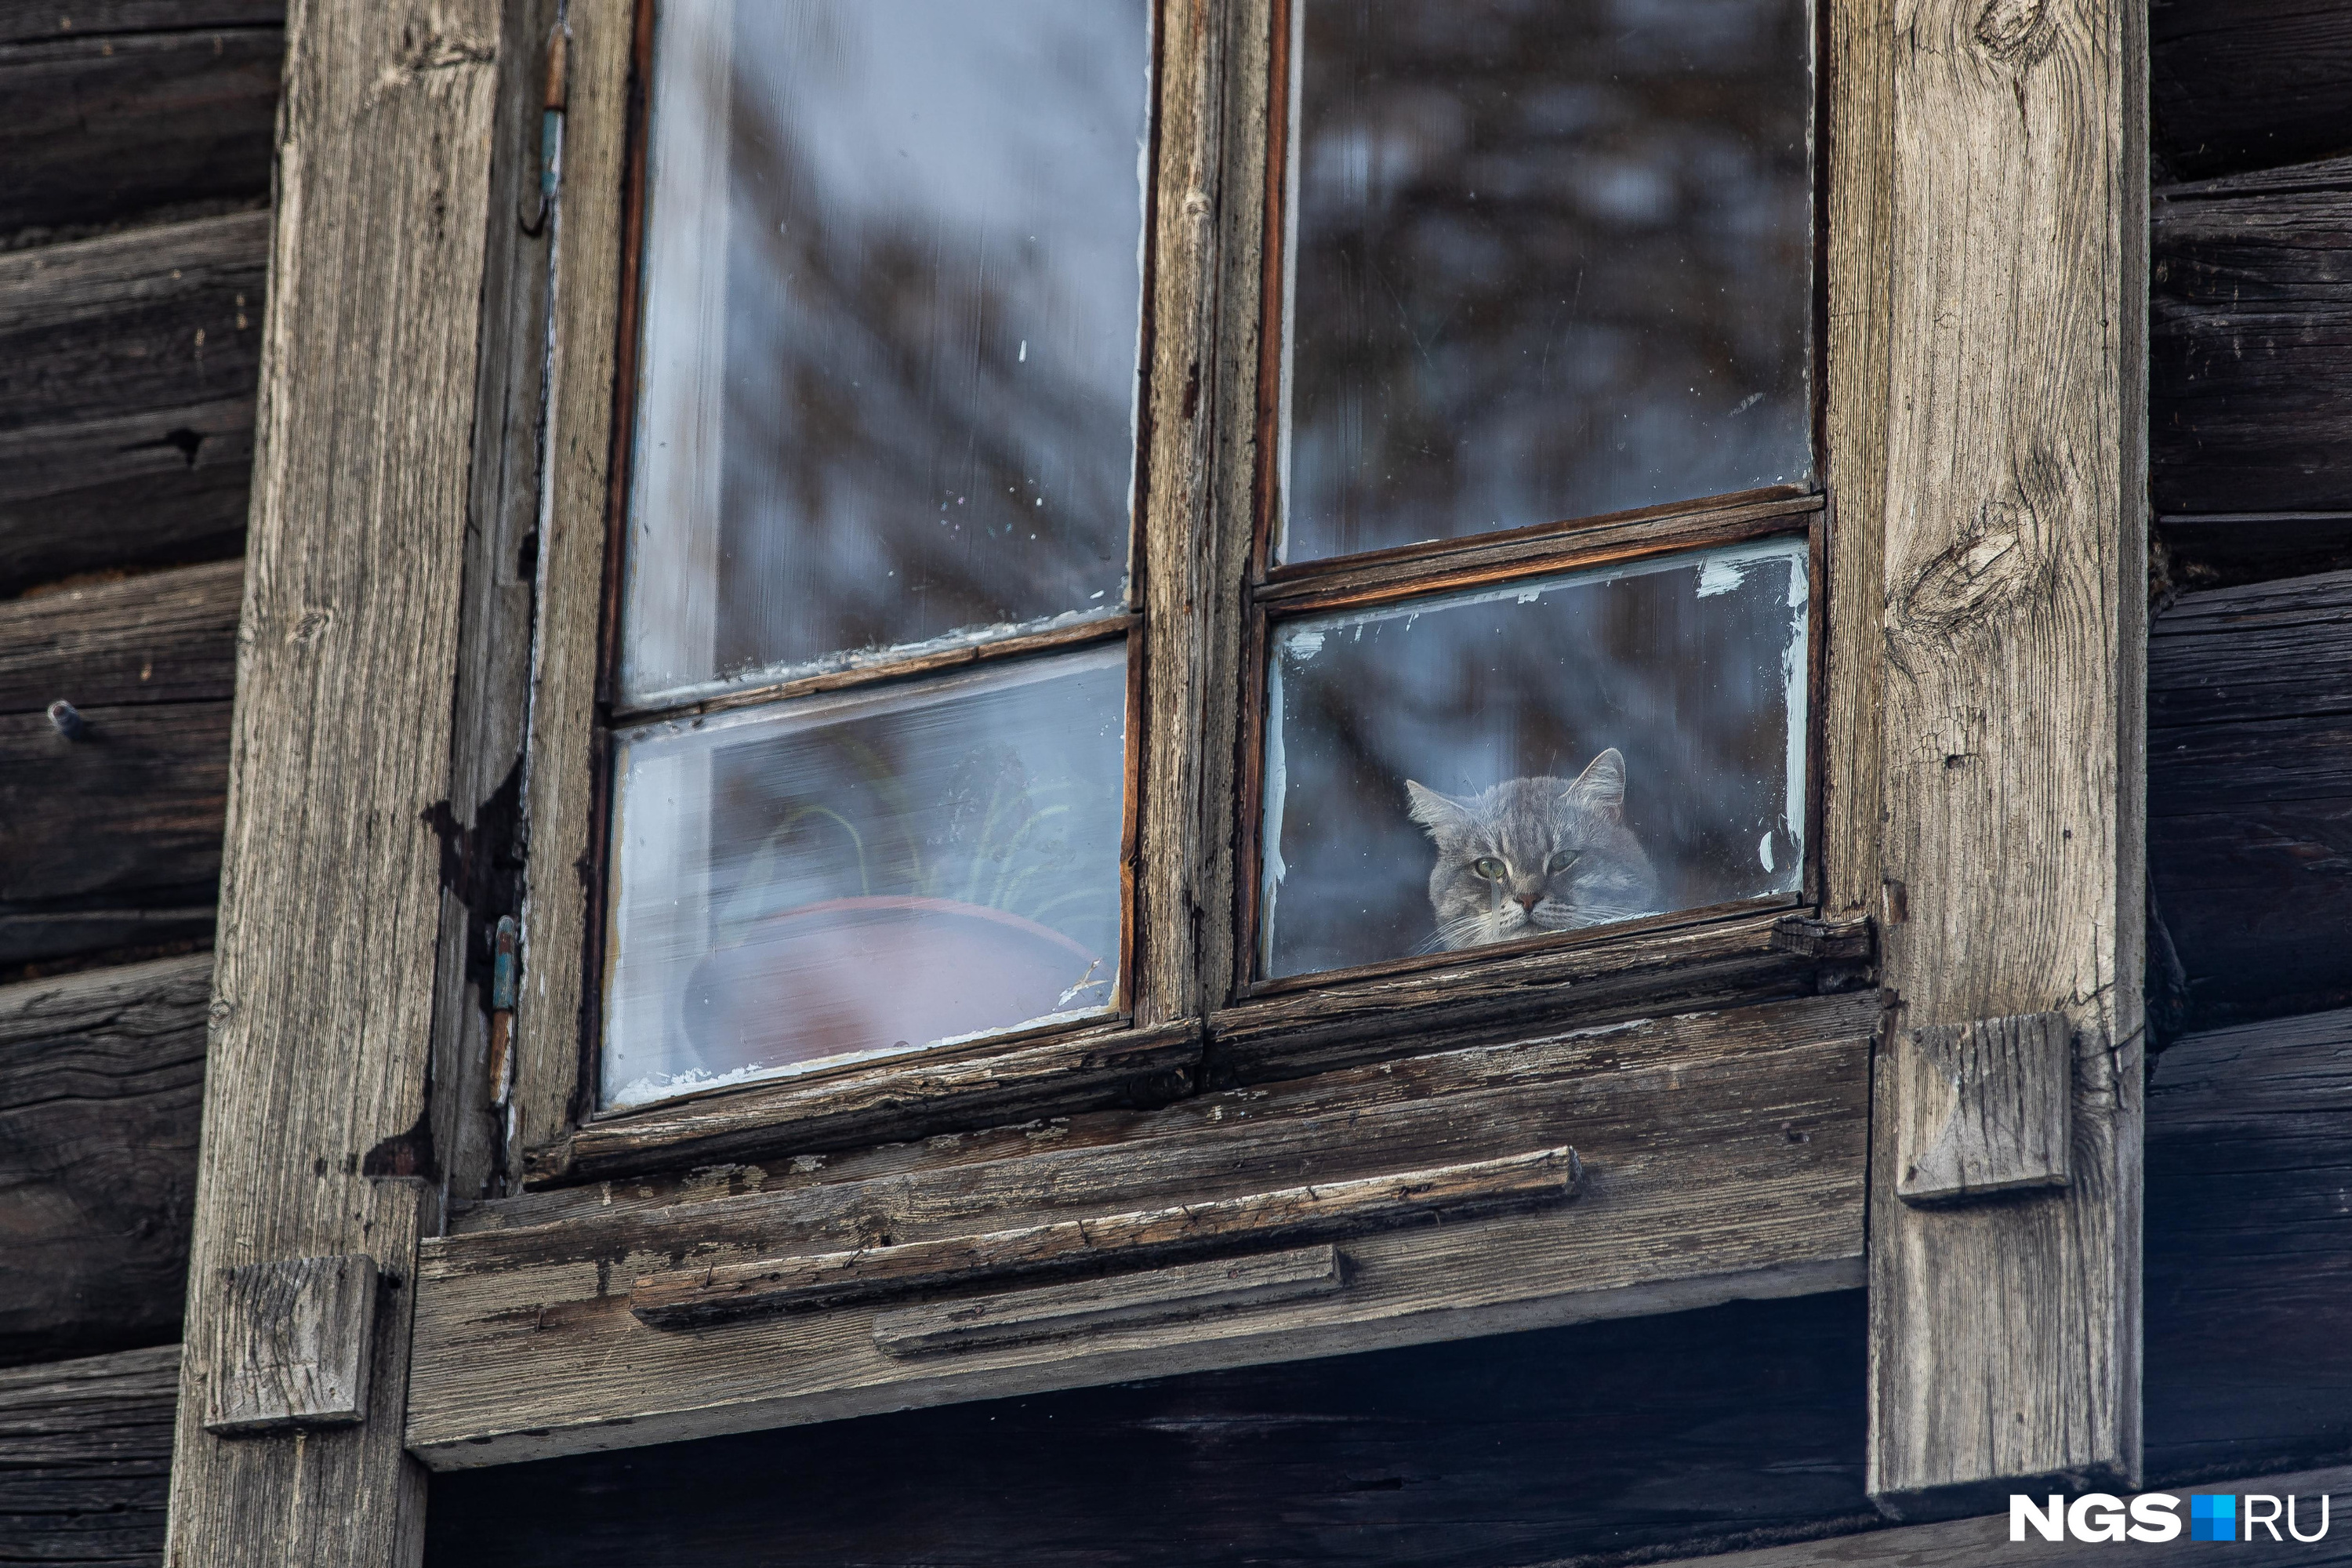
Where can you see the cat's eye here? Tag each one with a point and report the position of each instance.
(1487, 866)
(1562, 861)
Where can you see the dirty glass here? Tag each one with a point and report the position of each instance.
(1550, 258)
(891, 307)
(854, 876)
(1559, 754)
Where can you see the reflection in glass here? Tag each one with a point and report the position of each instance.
(1553, 755)
(846, 878)
(893, 283)
(1552, 258)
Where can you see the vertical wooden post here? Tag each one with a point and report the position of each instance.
(2006, 1333)
(315, 1140)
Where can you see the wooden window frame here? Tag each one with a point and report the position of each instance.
(1212, 295)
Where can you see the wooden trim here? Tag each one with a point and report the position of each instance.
(2005, 1340)
(1330, 1022)
(999, 1079)
(1723, 1156)
(315, 1084)
(692, 1298)
(564, 789)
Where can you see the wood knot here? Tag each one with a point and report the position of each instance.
(2019, 31)
(1967, 582)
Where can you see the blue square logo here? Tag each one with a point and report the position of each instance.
(2213, 1518)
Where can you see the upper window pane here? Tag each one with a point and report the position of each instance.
(892, 294)
(1553, 755)
(1550, 258)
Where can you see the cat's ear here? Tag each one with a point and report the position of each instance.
(1439, 813)
(1601, 786)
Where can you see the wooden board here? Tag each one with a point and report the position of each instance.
(2246, 84)
(2250, 1248)
(1721, 1154)
(104, 129)
(130, 813)
(101, 1088)
(330, 908)
(30, 21)
(127, 368)
(85, 1447)
(2250, 793)
(2250, 319)
(2005, 1341)
(166, 637)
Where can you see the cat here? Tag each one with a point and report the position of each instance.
(1534, 856)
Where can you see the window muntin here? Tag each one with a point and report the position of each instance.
(1550, 756)
(1545, 260)
(853, 877)
(892, 293)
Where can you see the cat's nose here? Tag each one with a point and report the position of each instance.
(1527, 902)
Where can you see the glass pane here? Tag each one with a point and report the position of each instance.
(1552, 258)
(893, 283)
(852, 877)
(1553, 755)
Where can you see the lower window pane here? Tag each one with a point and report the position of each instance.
(851, 877)
(1557, 755)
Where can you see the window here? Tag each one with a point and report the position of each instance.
(1395, 762)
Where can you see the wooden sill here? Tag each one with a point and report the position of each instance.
(1722, 1156)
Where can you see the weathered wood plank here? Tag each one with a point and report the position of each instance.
(2250, 321)
(129, 814)
(167, 637)
(1722, 1155)
(1068, 1312)
(2005, 1340)
(2250, 793)
(1495, 1453)
(127, 368)
(85, 1447)
(293, 1338)
(331, 907)
(29, 21)
(1078, 1071)
(562, 791)
(2247, 84)
(104, 129)
(1317, 1028)
(101, 1084)
(2250, 1248)
(691, 1297)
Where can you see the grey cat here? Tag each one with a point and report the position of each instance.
(1534, 856)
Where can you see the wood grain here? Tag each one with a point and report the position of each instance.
(1071, 1311)
(1762, 1112)
(1981, 1109)
(561, 794)
(127, 368)
(101, 1089)
(101, 128)
(1859, 94)
(130, 813)
(2248, 84)
(27, 21)
(346, 675)
(2005, 1341)
(2250, 316)
(2250, 793)
(293, 1345)
(166, 637)
(1321, 1027)
(998, 1082)
(85, 1447)
(695, 1296)
(1210, 78)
